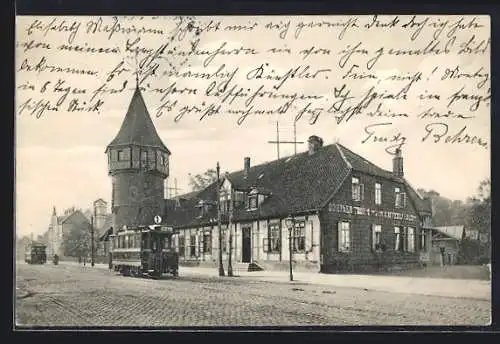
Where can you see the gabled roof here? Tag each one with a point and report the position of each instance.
(100, 201)
(137, 127)
(108, 222)
(106, 234)
(297, 184)
(73, 214)
(360, 164)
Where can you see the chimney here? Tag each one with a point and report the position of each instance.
(397, 164)
(315, 143)
(247, 166)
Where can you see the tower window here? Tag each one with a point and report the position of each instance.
(121, 155)
(144, 158)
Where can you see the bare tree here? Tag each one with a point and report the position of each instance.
(200, 181)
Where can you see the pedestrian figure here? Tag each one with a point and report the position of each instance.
(79, 259)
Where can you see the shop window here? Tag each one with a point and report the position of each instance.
(377, 238)
(207, 243)
(344, 237)
(192, 246)
(410, 239)
(299, 236)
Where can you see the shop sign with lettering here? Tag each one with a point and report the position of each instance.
(348, 209)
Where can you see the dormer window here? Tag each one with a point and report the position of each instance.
(252, 202)
(256, 197)
(202, 207)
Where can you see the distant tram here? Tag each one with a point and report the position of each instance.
(36, 253)
(144, 252)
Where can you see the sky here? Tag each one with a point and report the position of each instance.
(60, 157)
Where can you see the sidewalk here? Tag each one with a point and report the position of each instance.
(457, 288)
(444, 287)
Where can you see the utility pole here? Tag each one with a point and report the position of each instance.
(230, 228)
(221, 267)
(92, 238)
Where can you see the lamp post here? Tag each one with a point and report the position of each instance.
(290, 223)
(221, 267)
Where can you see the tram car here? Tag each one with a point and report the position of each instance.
(144, 252)
(36, 253)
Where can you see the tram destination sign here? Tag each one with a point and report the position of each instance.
(349, 209)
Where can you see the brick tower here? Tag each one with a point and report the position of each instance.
(138, 163)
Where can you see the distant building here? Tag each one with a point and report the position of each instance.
(62, 225)
(456, 245)
(348, 213)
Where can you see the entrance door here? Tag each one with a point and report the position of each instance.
(246, 245)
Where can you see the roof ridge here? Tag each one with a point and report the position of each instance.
(363, 158)
(280, 159)
(342, 155)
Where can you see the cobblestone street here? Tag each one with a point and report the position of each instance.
(69, 295)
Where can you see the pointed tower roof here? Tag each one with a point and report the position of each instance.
(137, 127)
(54, 211)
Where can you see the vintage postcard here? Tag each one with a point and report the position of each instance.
(252, 171)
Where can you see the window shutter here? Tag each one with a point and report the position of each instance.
(339, 231)
(361, 192)
(196, 245)
(373, 236)
(265, 245)
(309, 235)
(200, 243)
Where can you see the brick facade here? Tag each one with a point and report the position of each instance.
(362, 256)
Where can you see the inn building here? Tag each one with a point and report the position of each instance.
(341, 212)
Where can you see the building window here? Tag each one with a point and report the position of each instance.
(144, 158)
(398, 243)
(252, 202)
(202, 208)
(182, 246)
(207, 243)
(400, 198)
(357, 190)
(192, 246)
(423, 240)
(225, 206)
(344, 235)
(377, 237)
(299, 236)
(378, 193)
(272, 242)
(121, 155)
(410, 237)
